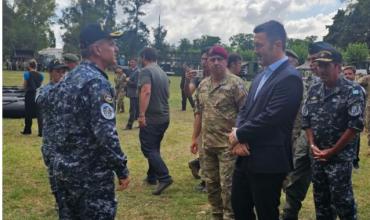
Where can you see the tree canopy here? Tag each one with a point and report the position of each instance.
(350, 25)
(26, 25)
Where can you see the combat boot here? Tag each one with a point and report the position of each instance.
(194, 166)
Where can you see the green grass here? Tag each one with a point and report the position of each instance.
(26, 192)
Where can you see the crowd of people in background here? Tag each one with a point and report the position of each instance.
(285, 132)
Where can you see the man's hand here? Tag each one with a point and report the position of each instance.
(142, 121)
(241, 150)
(190, 74)
(123, 184)
(194, 147)
(232, 139)
(321, 155)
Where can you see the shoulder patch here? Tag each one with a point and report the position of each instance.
(107, 111)
(355, 92)
(355, 110)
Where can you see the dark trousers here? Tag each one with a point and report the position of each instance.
(87, 199)
(332, 188)
(134, 111)
(258, 190)
(150, 139)
(31, 111)
(184, 98)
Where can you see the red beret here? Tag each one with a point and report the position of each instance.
(217, 51)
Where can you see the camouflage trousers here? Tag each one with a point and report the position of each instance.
(218, 166)
(120, 102)
(299, 179)
(47, 153)
(332, 187)
(82, 199)
(201, 158)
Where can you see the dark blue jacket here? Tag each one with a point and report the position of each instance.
(266, 123)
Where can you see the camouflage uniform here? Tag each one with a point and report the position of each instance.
(219, 106)
(120, 86)
(48, 122)
(365, 82)
(329, 114)
(299, 179)
(87, 145)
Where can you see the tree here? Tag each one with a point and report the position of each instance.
(242, 41)
(81, 13)
(27, 25)
(159, 41)
(185, 45)
(247, 55)
(300, 47)
(351, 25)
(206, 41)
(136, 32)
(356, 54)
(187, 54)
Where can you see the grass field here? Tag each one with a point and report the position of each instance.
(26, 192)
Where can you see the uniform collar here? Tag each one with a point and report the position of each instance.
(92, 64)
(336, 88)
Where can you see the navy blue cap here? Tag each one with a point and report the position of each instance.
(94, 32)
(316, 47)
(329, 56)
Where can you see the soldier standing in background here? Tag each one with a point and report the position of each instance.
(120, 82)
(132, 92)
(184, 97)
(71, 60)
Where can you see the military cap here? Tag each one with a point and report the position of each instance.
(291, 53)
(316, 47)
(94, 32)
(56, 64)
(329, 56)
(70, 57)
(217, 51)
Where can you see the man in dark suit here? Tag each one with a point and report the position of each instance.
(262, 139)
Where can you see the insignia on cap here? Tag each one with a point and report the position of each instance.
(107, 111)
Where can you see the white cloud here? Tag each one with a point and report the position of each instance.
(315, 25)
(224, 18)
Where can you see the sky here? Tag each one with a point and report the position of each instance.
(224, 18)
